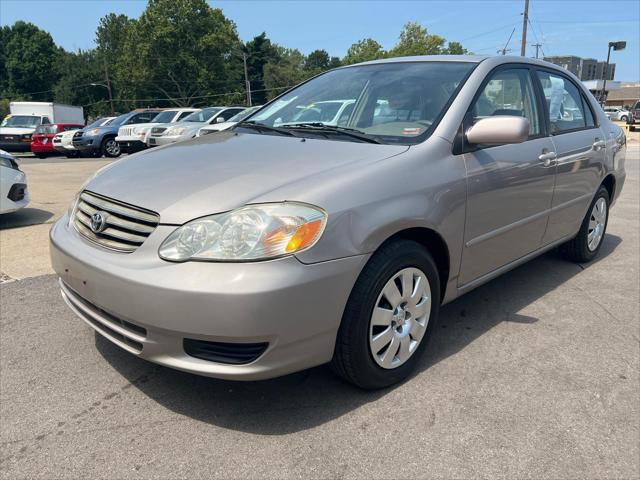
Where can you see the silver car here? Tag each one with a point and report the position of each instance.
(268, 249)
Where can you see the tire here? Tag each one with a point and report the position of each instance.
(578, 249)
(73, 154)
(41, 155)
(353, 358)
(110, 148)
(623, 118)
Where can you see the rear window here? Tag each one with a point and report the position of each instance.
(46, 129)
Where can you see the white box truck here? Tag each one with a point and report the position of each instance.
(17, 128)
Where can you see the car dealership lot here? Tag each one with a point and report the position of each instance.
(532, 375)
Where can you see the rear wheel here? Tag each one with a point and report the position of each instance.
(586, 244)
(110, 148)
(389, 316)
(624, 118)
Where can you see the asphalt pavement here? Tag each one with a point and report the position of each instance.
(533, 375)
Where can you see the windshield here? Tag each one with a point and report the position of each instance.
(118, 120)
(393, 102)
(23, 121)
(238, 117)
(46, 129)
(164, 117)
(203, 115)
(100, 122)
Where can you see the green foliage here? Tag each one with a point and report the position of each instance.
(364, 51)
(178, 53)
(28, 59)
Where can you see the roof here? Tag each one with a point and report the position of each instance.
(624, 93)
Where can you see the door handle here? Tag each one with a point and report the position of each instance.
(598, 144)
(548, 158)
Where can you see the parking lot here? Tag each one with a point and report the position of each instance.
(534, 375)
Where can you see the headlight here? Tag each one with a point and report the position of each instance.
(175, 131)
(254, 232)
(93, 132)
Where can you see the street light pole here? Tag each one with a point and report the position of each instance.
(616, 46)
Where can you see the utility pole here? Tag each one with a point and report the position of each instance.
(525, 21)
(616, 46)
(106, 76)
(537, 45)
(247, 84)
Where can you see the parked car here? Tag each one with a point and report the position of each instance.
(13, 184)
(133, 138)
(617, 113)
(329, 112)
(17, 128)
(264, 250)
(42, 139)
(63, 141)
(189, 126)
(219, 127)
(634, 115)
(99, 141)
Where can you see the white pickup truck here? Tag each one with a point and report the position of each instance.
(17, 128)
(133, 138)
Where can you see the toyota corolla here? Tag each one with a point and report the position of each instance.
(286, 243)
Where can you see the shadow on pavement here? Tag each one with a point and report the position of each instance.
(24, 217)
(306, 399)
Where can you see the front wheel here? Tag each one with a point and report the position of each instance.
(624, 118)
(389, 316)
(586, 244)
(110, 148)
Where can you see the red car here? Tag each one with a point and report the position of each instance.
(42, 139)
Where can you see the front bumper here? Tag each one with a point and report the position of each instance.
(85, 143)
(295, 308)
(128, 145)
(43, 147)
(164, 140)
(15, 146)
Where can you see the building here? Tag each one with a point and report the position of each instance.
(623, 97)
(584, 68)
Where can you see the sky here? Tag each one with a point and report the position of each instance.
(563, 27)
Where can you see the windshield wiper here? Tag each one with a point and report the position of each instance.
(261, 127)
(349, 132)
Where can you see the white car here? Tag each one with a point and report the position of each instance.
(13, 185)
(188, 128)
(133, 138)
(63, 141)
(219, 127)
(617, 113)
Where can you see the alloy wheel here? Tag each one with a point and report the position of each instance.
(400, 317)
(597, 223)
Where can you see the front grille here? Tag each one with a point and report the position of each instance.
(77, 135)
(17, 192)
(158, 130)
(125, 227)
(232, 353)
(125, 131)
(10, 138)
(126, 334)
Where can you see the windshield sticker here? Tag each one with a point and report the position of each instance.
(411, 131)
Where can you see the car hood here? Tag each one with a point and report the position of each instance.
(217, 173)
(16, 130)
(217, 127)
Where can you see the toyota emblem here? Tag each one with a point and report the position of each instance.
(98, 222)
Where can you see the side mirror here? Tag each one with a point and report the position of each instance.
(219, 119)
(499, 130)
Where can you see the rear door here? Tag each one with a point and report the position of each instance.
(510, 187)
(580, 148)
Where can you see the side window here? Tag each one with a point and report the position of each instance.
(182, 115)
(508, 92)
(45, 121)
(564, 103)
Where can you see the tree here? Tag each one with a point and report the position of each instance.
(284, 72)
(415, 40)
(181, 51)
(29, 57)
(317, 61)
(260, 51)
(455, 48)
(363, 51)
